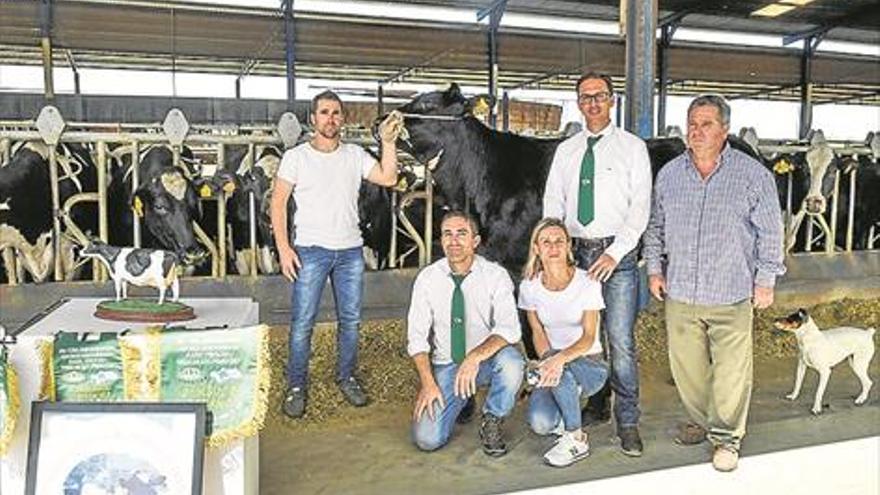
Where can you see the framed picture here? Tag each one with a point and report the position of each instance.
(112, 448)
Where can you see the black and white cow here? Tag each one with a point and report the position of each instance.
(374, 208)
(139, 266)
(25, 192)
(166, 200)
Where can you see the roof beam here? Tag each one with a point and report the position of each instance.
(868, 11)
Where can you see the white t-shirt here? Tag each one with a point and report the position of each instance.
(561, 311)
(326, 188)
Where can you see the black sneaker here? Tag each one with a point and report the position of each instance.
(294, 405)
(491, 435)
(630, 442)
(467, 412)
(353, 392)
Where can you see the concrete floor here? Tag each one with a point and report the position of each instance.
(376, 456)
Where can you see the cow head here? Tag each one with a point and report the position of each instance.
(427, 117)
(168, 205)
(821, 165)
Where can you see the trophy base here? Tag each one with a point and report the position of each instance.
(144, 311)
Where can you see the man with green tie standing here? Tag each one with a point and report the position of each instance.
(600, 184)
(462, 329)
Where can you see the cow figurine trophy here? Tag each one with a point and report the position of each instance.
(142, 267)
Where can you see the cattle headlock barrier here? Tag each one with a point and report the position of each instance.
(210, 142)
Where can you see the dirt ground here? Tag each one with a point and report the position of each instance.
(340, 449)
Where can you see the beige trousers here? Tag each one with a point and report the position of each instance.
(710, 353)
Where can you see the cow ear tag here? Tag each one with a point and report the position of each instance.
(205, 191)
(138, 207)
(783, 167)
(481, 106)
(229, 187)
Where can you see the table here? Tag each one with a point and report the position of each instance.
(231, 470)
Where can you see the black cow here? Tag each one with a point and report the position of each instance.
(866, 212)
(499, 176)
(165, 199)
(25, 189)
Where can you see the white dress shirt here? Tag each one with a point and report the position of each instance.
(621, 191)
(488, 305)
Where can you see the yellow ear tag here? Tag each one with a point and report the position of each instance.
(481, 107)
(782, 167)
(205, 191)
(229, 187)
(138, 207)
(401, 184)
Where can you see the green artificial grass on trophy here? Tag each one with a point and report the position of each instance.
(141, 305)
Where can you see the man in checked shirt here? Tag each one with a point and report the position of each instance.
(714, 249)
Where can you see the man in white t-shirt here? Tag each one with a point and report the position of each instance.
(324, 175)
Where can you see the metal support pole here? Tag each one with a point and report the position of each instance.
(663, 75)
(495, 11)
(238, 88)
(641, 24)
(806, 83)
(380, 100)
(46, 14)
(290, 54)
(100, 274)
(56, 212)
(505, 112)
(135, 183)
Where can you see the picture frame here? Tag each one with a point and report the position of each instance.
(146, 448)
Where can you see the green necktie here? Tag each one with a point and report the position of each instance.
(585, 194)
(456, 322)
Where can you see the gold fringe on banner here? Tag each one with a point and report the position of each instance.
(132, 377)
(259, 401)
(45, 350)
(12, 412)
(154, 362)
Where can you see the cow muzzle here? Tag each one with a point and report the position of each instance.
(194, 255)
(814, 205)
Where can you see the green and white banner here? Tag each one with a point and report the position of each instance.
(9, 402)
(87, 368)
(226, 369)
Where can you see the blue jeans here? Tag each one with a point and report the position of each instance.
(503, 373)
(548, 405)
(345, 268)
(621, 294)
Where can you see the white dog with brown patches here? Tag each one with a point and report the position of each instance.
(821, 350)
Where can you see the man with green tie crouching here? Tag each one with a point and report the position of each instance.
(462, 329)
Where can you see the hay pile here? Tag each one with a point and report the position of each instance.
(388, 375)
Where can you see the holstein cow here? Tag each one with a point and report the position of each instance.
(498, 176)
(139, 266)
(165, 199)
(26, 229)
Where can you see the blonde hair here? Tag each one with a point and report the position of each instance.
(533, 266)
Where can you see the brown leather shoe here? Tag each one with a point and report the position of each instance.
(690, 434)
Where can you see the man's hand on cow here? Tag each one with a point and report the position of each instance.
(428, 394)
(602, 268)
(289, 261)
(657, 286)
(763, 297)
(391, 127)
(466, 378)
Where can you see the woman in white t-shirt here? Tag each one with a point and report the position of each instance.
(562, 306)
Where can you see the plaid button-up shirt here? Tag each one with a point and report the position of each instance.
(715, 239)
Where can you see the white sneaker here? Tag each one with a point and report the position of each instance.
(567, 451)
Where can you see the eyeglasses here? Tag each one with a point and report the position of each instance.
(602, 97)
